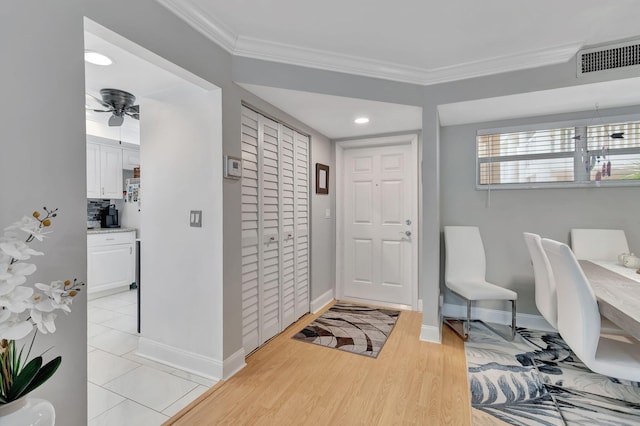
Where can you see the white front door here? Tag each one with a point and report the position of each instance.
(378, 224)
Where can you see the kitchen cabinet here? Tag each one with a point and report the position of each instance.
(110, 261)
(104, 171)
(130, 158)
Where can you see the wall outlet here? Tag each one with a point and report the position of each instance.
(327, 213)
(195, 218)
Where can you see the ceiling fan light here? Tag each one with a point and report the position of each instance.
(97, 58)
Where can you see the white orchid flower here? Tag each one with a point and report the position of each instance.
(44, 321)
(15, 328)
(18, 250)
(54, 291)
(14, 275)
(27, 224)
(17, 300)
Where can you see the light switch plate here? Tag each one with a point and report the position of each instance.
(195, 218)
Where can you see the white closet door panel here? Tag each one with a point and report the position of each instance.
(301, 222)
(287, 225)
(250, 236)
(270, 290)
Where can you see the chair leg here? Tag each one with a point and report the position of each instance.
(466, 326)
(468, 322)
(513, 319)
(513, 324)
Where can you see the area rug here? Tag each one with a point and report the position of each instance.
(358, 329)
(538, 380)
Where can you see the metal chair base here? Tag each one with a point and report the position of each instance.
(466, 326)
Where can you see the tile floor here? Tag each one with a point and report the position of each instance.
(124, 388)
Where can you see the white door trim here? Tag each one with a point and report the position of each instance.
(408, 139)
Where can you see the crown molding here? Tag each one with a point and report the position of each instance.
(249, 47)
(202, 22)
(330, 61)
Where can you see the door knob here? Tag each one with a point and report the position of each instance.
(408, 221)
(407, 233)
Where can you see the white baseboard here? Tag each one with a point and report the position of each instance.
(320, 302)
(535, 322)
(233, 364)
(429, 333)
(184, 360)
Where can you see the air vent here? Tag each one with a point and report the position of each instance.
(610, 57)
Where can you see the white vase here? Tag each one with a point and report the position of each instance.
(27, 411)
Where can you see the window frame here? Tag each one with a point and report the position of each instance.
(593, 121)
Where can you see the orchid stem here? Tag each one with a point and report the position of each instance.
(31, 345)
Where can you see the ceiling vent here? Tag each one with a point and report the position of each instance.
(611, 57)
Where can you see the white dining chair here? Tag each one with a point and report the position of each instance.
(598, 244)
(465, 269)
(545, 286)
(579, 319)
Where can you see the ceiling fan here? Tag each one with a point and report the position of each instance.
(118, 102)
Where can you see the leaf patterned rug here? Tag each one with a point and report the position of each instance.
(358, 329)
(538, 380)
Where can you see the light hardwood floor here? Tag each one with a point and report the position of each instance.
(287, 382)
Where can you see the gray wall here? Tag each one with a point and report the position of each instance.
(549, 212)
(42, 77)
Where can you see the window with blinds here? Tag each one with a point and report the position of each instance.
(560, 156)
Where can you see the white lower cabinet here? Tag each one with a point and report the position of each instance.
(110, 261)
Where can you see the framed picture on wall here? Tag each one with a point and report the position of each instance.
(322, 179)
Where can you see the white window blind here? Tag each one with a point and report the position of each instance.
(560, 156)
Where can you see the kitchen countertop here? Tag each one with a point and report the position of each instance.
(91, 231)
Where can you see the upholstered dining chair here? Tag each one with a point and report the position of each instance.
(465, 268)
(599, 244)
(579, 319)
(545, 286)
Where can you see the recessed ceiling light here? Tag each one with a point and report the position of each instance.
(361, 120)
(97, 58)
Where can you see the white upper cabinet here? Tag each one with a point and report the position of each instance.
(130, 158)
(104, 171)
(111, 171)
(93, 171)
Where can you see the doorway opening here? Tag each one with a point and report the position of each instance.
(135, 373)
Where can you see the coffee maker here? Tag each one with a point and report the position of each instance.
(109, 217)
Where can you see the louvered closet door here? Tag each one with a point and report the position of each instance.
(288, 229)
(270, 224)
(250, 224)
(301, 145)
(275, 228)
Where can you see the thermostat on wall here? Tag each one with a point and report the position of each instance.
(232, 167)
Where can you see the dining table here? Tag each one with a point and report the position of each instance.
(617, 289)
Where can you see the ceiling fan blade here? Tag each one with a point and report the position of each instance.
(133, 115)
(134, 109)
(101, 110)
(93, 103)
(116, 120)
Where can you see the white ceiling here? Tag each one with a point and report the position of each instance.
(334, 116)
